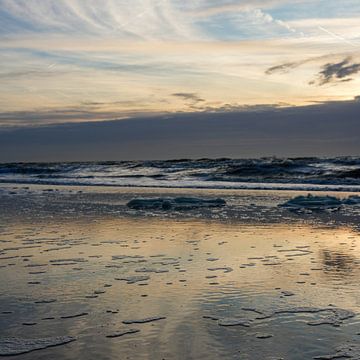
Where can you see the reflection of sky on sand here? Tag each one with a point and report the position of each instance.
(319, 265)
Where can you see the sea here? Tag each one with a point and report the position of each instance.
(334, 174)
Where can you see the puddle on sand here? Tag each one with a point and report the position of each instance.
(152, 288)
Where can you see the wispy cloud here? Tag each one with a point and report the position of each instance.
(205, 8)
(338, 37)
(283, 68)
(170, 55)
(288, 66)
(139, 19)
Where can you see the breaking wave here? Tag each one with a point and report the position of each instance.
(342, 173)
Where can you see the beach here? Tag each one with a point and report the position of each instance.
(84, 276)
(179, 180)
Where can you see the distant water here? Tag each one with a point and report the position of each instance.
(342, 173)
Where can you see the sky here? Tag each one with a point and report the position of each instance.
(70, 61)
(73, 60)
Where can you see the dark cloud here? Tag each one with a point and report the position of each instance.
(102, 104)
(286, 67)
(242, 108)
(189, 96)
(93, 111)
(283, 68)
(333, 72)
(62, 115)
(328, 129)
(337, 72)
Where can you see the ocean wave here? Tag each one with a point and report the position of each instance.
(287, 173)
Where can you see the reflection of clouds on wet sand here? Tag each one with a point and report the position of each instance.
(341, 263)
(59, 278)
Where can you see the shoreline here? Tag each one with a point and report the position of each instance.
(170, 191)
(242, 205)
(297, 188)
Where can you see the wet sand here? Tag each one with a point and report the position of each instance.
(247, 281)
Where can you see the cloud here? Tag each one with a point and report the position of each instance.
(283, 68)
(301, 131)
(331, 72)
(163, 55)
(138, 19)
(101, 112)
(286, 67)
(97, 111)
(337, 72)
(141, 20)
(336, 36)
(88, 112)
(239, 108)
(262, 17)
(189, 96)
(206, 8)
